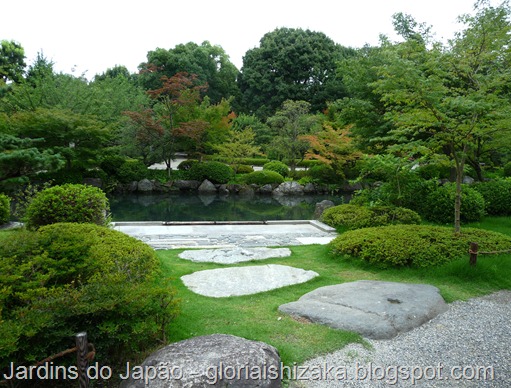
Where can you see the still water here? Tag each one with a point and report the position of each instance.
(192, 207)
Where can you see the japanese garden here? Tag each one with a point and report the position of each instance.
(410, 139)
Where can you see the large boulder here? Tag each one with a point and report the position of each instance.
(289, 188)
(216, 360)
(145, 185)
(207, 187)
(374, 309)
(186, 185)
(233, 255)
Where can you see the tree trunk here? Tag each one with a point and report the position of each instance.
(459, 160)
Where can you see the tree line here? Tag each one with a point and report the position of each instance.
(298, 95)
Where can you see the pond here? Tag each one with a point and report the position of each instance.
(193, 207)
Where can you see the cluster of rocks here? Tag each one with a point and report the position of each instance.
(207, 187)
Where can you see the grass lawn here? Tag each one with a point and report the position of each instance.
(257, 317)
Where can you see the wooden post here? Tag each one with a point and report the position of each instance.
(473, 253)
(82, 347)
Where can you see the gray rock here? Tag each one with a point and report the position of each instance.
(309, 188)
(225, 282)
(468, 180)
(207, 187)
(145, 185)
(289, 188)
(265, 189)
(186, 185)
(216, 360)
(321, 207)
(222, 189)
(374, 309)
(247, 191)
(233, 255)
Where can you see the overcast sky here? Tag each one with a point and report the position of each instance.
(94, 35)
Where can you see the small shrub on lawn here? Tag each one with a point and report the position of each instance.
(277, 166)
(323, 173)
(438, 206)
(66, 278)
(67, 203)
(263, 177)
(244, 169)
(186, 165)
(414, 245)
(497, 196)
(348, 216)
(215, 172)
(5, 209)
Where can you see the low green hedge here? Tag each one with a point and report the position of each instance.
(263, 177)
(5, 209)
(348, 216)
(414, 245)
(67, 203)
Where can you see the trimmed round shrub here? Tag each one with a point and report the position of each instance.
(67, 278)
(67, 203)
(277, 166)
(263, 177)
(132, 170)
(350, 216)
(215, 172)
(497, 196)
(244, 169)
(414, 245)
(5, 209)
(438, 206)
(323, 174)
(185, 165)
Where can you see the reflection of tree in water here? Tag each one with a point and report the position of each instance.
(191, 207)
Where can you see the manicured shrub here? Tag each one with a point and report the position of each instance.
(185, 165)
(67, 203)
(67, 278)
(263, 177)
(5, 209)
(215, 172)
(277, 166)
(414, 245)
(497, 196)
(323, 174)
(132, 170)
(438, 206)
(244, 169)
(350, 216)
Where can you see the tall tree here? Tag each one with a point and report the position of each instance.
(12, 62)
(208, 62)
(451, 97)
(290, 64)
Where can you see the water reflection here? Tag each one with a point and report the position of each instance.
(187, 207)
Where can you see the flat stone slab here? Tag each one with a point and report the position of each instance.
(374, 309)
(233, 255)
(236, 281)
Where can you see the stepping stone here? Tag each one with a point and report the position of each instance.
(233, 255)
(374, 309)
(224, 282)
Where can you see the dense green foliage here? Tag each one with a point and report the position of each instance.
(5, 209)
(67, 203)
(215, 172)
(349, 216)
(497, 196)
(263, 177)
(66, 278)
(277, 166)
(414, 245)
(439, 204)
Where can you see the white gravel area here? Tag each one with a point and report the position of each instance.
(467, 346)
